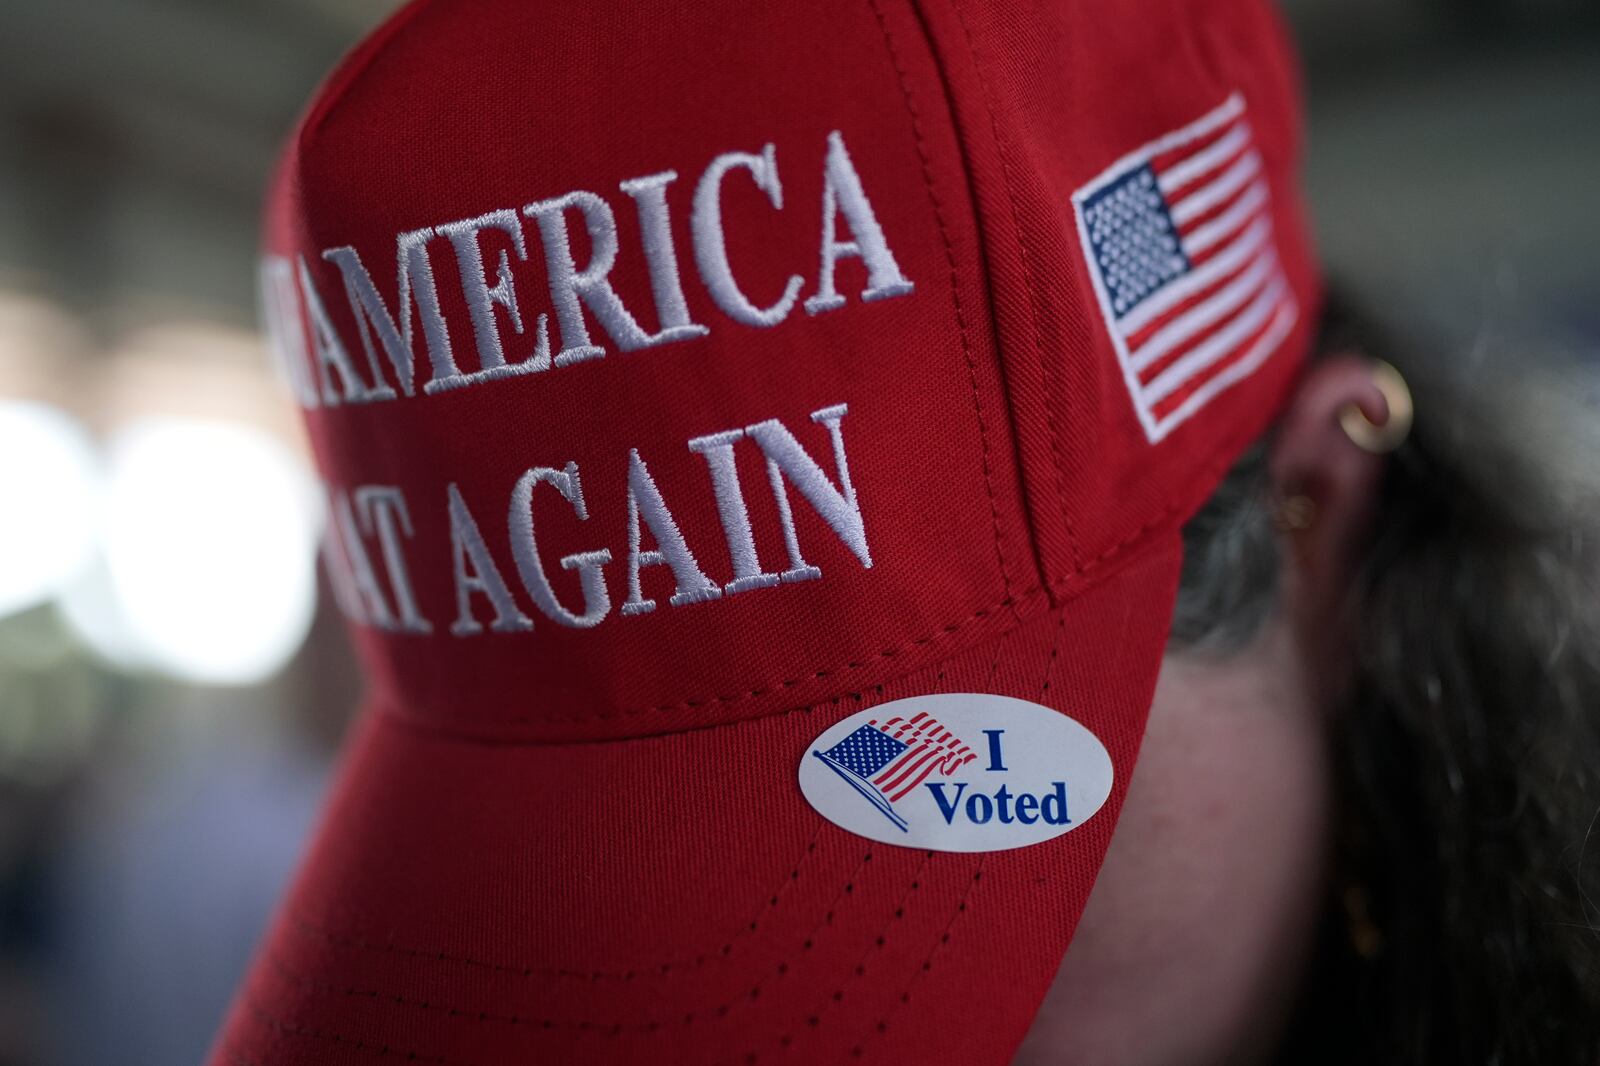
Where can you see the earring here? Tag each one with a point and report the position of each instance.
(1294, 514)
(1380, 439)
(1366, 939)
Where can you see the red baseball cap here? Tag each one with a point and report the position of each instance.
(756, 440)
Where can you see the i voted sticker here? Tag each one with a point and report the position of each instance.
(957, 772)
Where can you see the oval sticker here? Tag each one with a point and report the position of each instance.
(957, 772)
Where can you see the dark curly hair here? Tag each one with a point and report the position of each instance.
(1462, 922)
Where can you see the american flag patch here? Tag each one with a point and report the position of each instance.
(1178, 237)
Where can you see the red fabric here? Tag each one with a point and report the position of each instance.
(587, 845)
(1048, 94)
(674, 898)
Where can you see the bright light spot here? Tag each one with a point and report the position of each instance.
(91, 609)
(209, 537)
(47, 479)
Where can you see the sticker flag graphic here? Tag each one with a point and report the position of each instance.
(885, 763)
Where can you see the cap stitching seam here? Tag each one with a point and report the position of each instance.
(269, 1020)
(813, 1019)
(403, 717)
(616, 1029)
(1017, 605)
(1129, 543)
(1020, 606)
(956, 915)
(955, 289)
(851, 666)
(1031, 285)
(356, 64)
(313, 930)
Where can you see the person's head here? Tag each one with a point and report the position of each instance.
(1361, 825)
(768, 451)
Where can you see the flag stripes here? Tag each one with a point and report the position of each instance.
(1179, 242)
(929, 747)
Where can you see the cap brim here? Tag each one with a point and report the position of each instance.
(675, 898)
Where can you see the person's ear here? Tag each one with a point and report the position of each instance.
(1325, 484)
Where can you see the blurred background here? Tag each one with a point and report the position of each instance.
(167, 716)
